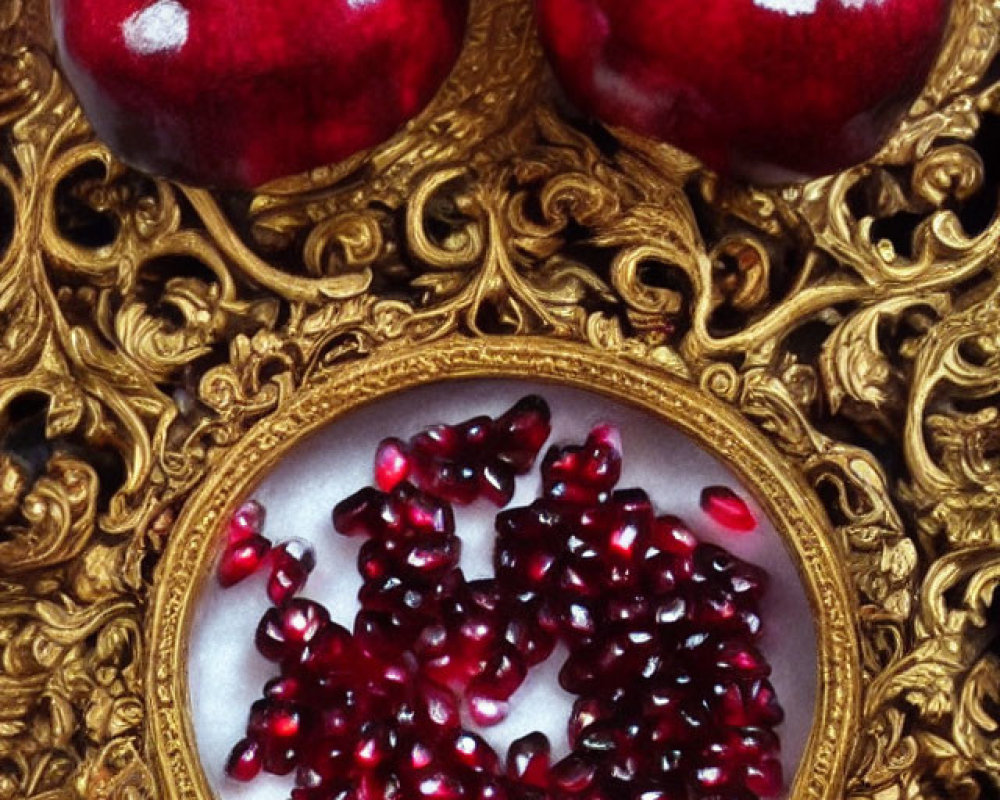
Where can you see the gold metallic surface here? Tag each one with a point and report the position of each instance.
(152, 334)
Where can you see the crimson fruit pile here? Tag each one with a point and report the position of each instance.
(672, 695)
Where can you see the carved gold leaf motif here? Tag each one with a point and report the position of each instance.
(148, 329)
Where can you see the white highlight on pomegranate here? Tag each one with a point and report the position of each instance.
(159, 28)
(795, 8)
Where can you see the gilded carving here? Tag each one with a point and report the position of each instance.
(147, 328)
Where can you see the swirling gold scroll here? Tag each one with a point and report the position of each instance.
(145, 327)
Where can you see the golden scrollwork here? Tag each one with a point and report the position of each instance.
(147, 329)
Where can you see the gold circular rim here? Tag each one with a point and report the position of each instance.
(330, 395)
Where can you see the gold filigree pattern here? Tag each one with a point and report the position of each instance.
(147, 328)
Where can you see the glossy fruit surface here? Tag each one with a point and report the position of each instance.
(233, 93)
(766, 89)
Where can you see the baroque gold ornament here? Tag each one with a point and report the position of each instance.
(152, 336)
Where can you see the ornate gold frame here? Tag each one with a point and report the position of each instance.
(147, 328)
(333, 394)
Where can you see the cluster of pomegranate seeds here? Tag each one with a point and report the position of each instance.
(673, 698)
(476, 458)
(247, 550)
(672, 692)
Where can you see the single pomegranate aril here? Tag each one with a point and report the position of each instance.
(440, 785)
(573, 775)
(245, 760)
(486, 711)
(284, 689)
(439, 705)
(728, 509)
(247, 521)
(359, 513)
(473, 752)
(392, 464)
(375, 746)
(283, 633)
(241, 560)
(528, 760)
(275, 724)
(292, 562)
(280, 760)
(764, 779)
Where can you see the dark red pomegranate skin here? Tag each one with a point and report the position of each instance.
(770, 90)
(233, 93)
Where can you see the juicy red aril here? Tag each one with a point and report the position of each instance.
(764, 779)
(487, 711)
(501, 677)
(522, 430)
(728, 509)
(292, 562)
(440, 786)
(247, 521)
(245, 760)
(439, 705)
(284, 632)
(473, 752)
(393, 464)
(241, 560)
(376, 745)
(367, 512)
(438, 441)
(528, 760)
(331, 649)
(573, 775)
(274, 722)
(284, 688)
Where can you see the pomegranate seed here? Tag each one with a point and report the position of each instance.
(496, 483)
(764, 779)
(492, 789)
(440, 786)
(728, 509)
(501, 677)
(280, 760)
(375, 745)
(485, 711)
(292, 562)
(284, 632)
(245, 760)
(327, 761)
(438, 441)
(246, 521)
(361, 513)
(330, 650)
(284, 689)
(586, 712)
(439, 705)
(392, 464)
(670, 535)
(573, 775)
(241, 560)
(473, 752)
(528, 760)
(424, 513)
